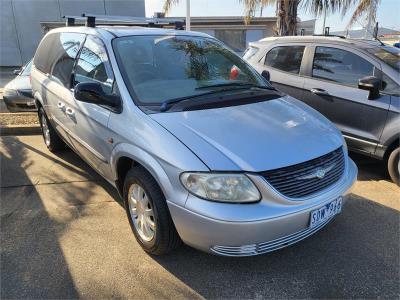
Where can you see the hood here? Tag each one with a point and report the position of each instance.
(19, 83)
(254, 137)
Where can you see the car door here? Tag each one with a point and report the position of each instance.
(87, 125)
(64, 49)
(332, 86)
(283, 62)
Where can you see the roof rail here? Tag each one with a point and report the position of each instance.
(90, 21)
(330, 35)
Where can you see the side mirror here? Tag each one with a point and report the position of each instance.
(371, 84)
(17, 71)
(92, 92)
(266, 75)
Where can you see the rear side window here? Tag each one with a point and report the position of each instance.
(42, 59)
(340, 66)
(285, 58)
(93, 65)
(64, 52)
(250, 52)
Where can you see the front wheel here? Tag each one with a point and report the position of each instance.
(393, 165)
(148, 213)
(53, 142)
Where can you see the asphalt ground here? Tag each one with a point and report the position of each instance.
(65, 234)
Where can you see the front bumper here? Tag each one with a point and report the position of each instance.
(252, 229)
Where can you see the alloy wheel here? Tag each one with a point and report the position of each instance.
(141, 212)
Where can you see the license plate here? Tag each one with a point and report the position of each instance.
(325, 212)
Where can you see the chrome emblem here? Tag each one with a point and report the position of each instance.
(317, 173)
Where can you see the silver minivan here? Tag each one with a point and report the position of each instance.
(199, 145)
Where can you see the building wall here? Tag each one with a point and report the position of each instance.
(20, 21)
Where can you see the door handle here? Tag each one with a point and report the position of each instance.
(319, 92)
(60, 105)
(70, 112)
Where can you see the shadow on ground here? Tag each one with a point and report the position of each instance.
(32, 260)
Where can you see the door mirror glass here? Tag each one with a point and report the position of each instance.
(266, 75)
(17, 71)
(371, 84)
(92, 92)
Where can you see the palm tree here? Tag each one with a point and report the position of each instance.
(286, 10)
(365, 8)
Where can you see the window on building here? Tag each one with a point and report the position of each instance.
(285, 58)
(93, 65)
(340, 66)
(235, 39)
(65, 51)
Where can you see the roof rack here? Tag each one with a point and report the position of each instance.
(326, 33)
(90, 21)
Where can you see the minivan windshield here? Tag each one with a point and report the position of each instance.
(158, 68)
(388, 54)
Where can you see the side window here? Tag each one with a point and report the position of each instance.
(93, 65)
(285, 58)
(389, 86)
(340, 66)
(64, 50)
(42, 60)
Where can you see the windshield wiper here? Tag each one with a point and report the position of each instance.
(230, 87)
(235, 84)
(165, 105)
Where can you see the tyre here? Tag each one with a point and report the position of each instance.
(148, 213)
(393, 165)
(53, 142)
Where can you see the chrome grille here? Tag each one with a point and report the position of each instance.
(309, 177)
(265, 247)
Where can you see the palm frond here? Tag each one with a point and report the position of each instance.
(168, 4)
(251, 6)
(317, 7)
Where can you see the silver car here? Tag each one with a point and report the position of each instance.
(200, 147)
(17, 94)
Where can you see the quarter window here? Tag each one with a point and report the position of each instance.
(64, 51)
(340, 66)
(93, 65)
(285, 58)
(42, 60)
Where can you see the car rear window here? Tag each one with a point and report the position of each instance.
(285, 58)
(250, 52)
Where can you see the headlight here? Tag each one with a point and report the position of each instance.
(236, 188)
(9, 93)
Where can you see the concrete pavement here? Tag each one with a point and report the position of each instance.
(64, 234)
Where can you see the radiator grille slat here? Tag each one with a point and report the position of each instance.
(301, 180)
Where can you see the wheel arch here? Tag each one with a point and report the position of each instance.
(125, 156)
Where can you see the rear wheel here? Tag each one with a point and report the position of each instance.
(53, 142)
(393, 165)
(148, 213)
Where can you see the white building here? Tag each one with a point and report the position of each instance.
(20, 21)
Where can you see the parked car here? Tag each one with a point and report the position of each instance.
(354, 83)
(200, 147)
(17, 94)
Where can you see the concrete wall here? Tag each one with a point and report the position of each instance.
(20, 21)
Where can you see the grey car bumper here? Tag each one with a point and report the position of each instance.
(222, 235)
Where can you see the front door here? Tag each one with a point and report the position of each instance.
(89, 131)
(333, 90)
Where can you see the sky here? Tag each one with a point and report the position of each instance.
(387, 15)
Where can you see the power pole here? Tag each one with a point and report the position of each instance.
(187, 15)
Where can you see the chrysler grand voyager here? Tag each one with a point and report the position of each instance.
(201, 148)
